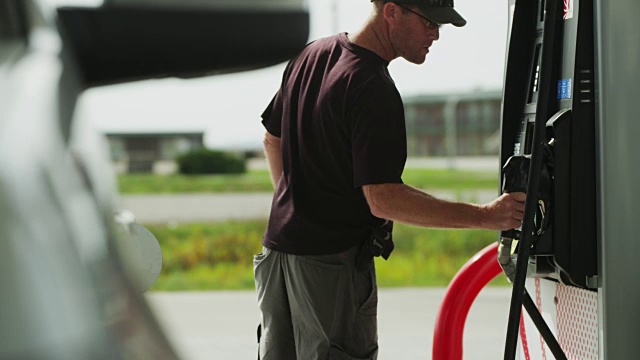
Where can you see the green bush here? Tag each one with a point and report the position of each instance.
(205, 161)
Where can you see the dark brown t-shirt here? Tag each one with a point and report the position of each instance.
(340, 119)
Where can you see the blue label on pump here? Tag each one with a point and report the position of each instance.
(564, 89)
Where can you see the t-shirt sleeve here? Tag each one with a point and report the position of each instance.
(272, 115)
(378, 136)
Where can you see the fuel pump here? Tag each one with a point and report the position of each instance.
(548, 151)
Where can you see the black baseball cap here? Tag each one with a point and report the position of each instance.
(438, 11)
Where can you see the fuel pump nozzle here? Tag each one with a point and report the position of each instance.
(515, 174)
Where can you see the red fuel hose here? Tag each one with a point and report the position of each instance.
(462, 291)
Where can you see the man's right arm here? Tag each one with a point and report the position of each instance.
(273, 153)
(403, 203)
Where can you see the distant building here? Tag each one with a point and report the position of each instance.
(151, 152)
(465, 124)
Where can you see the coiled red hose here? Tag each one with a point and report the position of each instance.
(474, 275)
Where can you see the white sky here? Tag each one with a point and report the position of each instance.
(228, 107)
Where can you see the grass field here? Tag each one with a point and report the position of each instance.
(258, 180)
(214, 256)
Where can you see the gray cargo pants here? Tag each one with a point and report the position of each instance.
(316, 307)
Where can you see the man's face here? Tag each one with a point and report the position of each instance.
(412, 35)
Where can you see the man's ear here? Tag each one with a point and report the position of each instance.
(391, 12)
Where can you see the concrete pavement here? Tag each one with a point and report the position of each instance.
(222, 324)
(204, 207)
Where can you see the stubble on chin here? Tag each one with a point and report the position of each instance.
(417, 59)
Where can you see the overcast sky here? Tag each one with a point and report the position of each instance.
(228, 107)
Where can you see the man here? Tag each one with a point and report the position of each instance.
(336, 148)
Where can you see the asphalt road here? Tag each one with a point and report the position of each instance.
(222, 324)
(167, 208)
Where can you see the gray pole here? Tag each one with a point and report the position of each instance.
(449, 114)
(618, 76)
